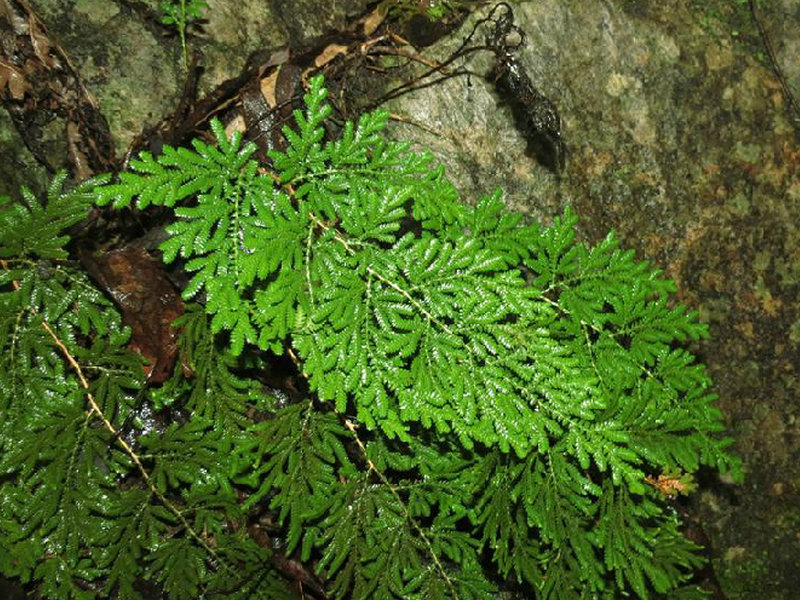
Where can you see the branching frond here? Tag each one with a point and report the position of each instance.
(491, 404)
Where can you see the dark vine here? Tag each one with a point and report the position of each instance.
(535, 114)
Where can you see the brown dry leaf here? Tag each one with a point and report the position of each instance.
(40, 43)
(148, 303)
(268, 84)
(278, 57)
(236, 124)
(11, 16)
(372, 21)
(82, 170)
(14, 79)
(330, 52)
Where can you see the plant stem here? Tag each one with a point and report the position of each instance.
(182, 34)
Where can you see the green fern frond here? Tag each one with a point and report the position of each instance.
(31, 228)
(489, 401)
(206, 383)
(180, 565)
(75, 519)
(136, 524)
(294, 453)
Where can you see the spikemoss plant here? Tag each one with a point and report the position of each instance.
(495, 409)
(180, 14)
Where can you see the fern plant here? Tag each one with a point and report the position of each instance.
(91, 505)
(495, 408)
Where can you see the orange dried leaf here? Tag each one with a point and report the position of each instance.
(330, 52)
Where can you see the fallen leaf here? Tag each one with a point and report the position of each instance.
(330, 52)
(268, 84)
(148, 303)
(372, 21)
(13, 79)
(13, 18)
(236, 124)
(40, 42)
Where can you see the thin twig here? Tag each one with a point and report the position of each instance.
(406, 53)
(776, 69)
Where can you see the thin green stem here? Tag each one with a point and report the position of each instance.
(182, 34)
